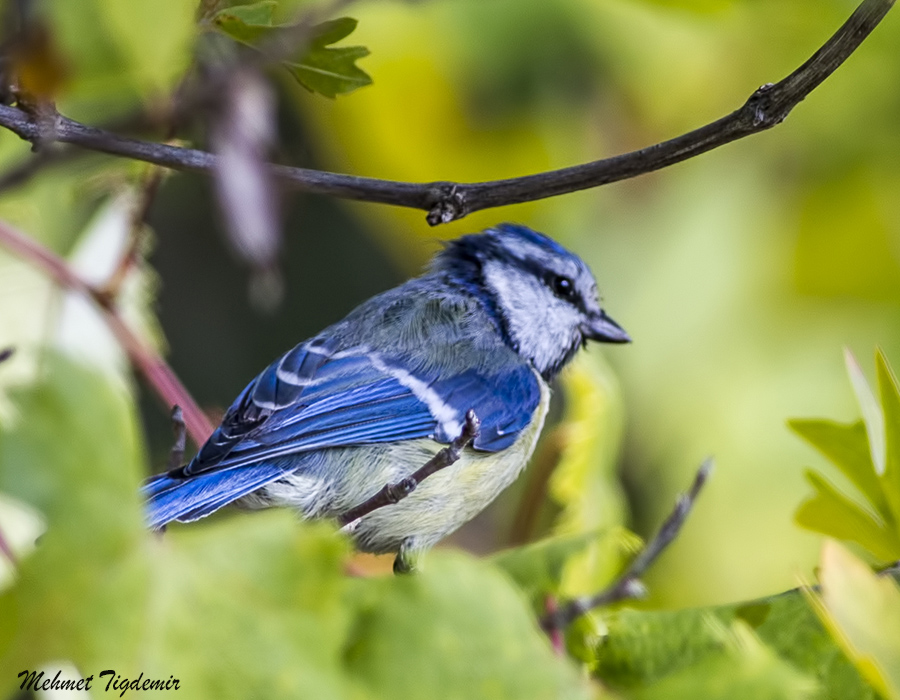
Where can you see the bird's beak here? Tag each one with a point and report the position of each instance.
(604, 330)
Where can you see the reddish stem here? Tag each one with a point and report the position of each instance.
(555, 633)
(156, 372)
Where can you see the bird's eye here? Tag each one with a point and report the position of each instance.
(562, 287)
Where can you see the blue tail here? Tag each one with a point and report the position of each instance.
(186, 499)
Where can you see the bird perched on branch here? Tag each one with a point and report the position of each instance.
(372, 398)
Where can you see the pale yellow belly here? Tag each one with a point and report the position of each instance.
(448, 498)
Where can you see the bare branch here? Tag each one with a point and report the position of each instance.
(628, 585)
(394, 493)
(448, 201)
(176, 454)
(155, 370)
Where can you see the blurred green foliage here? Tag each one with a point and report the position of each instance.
(739, 274)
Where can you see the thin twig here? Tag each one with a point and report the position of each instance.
(394, 493)
(155, 370)
(176, 455)
(628, 585)
(448, 201)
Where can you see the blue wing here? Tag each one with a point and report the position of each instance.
(317, 397)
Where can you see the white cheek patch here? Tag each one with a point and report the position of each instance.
(541, 325)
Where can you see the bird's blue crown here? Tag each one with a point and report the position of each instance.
(512, 243)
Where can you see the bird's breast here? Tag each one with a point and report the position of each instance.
(450, 497)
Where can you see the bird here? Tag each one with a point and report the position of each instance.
(366, 402)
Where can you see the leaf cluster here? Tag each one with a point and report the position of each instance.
(867, 453)
(318, 66)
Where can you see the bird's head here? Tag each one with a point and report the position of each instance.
(543, 297)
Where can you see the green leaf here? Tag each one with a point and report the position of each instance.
(890, 402)
(457, 629)
(538, 568)
(330, 72)
(643, 648)
(833, 514)
(332, 31)
(246, 23)
(744, 669)
(258, 14)
(585, 483)
(847, 447)
(863, 611)
(871, 411)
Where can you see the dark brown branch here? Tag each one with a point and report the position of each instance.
(629, 585)
(447, 201)
(394, 493)
(158, 374)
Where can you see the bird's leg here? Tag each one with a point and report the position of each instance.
(405, 562)
(176, 456)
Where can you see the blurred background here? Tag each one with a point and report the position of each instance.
(740, 274)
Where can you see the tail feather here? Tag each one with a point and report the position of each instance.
(187, 499)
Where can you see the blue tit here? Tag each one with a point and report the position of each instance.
(372, 398)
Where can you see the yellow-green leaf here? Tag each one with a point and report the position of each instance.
(584, 483)
(330, 72)
(538, 568)
(847, 447)
(872, 416)
(832, 513)
(890, 403)
(246, 23)
(862, 611)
